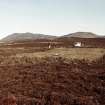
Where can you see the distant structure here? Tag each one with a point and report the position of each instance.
(49, 46)
(78, 44)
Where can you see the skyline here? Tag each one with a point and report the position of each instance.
(52, 17)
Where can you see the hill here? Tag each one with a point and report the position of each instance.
(25, 36)
(15, 37)
(31, 36)
(82, 35)
(40, 40)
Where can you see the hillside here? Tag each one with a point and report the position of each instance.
(25, 36)
(40, 40)
(31, 36)
(82, 35)
(56, 76)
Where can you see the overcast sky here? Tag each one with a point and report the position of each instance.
(55, 17)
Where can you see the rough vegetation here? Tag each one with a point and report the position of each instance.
(37, 75)
(30, 54)
(54, 81)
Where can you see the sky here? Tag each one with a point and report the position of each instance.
(54, 17)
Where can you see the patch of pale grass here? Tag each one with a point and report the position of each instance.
(70, 53)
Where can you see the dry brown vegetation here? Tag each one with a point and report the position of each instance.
(32, 55)
(37, 76)
(54, 80)
(62, 75)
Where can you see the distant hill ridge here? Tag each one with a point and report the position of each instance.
(32, 36)
(26, 36)
(82, 35)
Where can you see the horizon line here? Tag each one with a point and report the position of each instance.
(5, 35)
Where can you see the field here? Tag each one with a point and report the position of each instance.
(57, 76)
(37, 52)
(70, 53)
